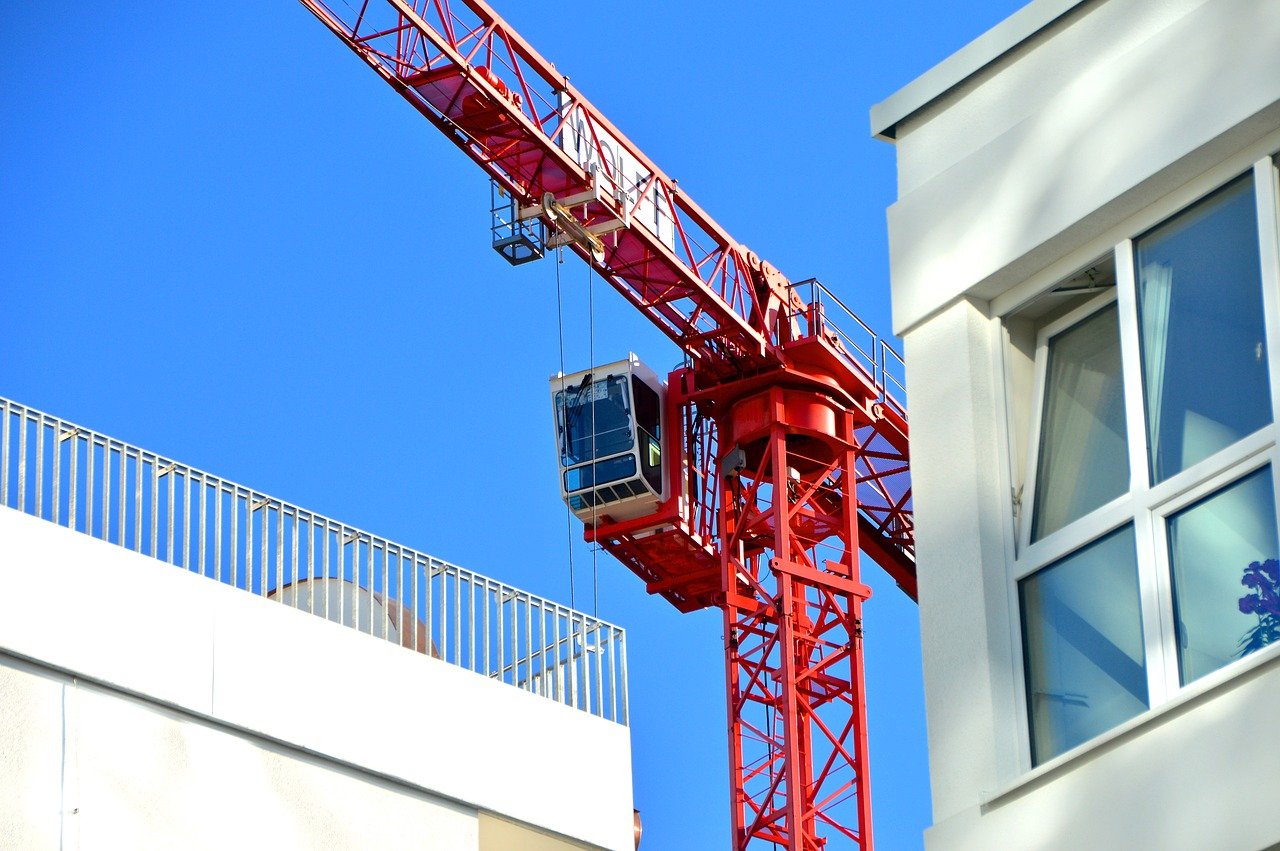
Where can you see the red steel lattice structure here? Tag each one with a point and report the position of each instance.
(793, 449)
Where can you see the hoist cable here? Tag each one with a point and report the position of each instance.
(591, 359)
(568, 515)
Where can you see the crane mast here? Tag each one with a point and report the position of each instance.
(791, 453)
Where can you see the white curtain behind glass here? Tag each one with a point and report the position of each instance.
(1157, 291)
(1083, 462)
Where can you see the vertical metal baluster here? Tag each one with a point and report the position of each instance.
(552, 661)
(563, 619)
(73, 487)
(248, 541)
(428, 610)
(123, 517)
(297, 521)
(137, 501)
(186, 518)
(541, 652)
(355, 576)
(280, 552)
(88, 485)
(622, 663)
(528, 643)
(342, 577)
(386, 594)
(371, 567)
(500, 637)
(40, 467)
(471, 622)
(413, 592)
(22, 463)
(548, 678)
(4, 454)
(264, 565)
(217, 530)
(234, 566)
(57, 471)
(311, 563)
(370, 570)
(515, 635)
(369, 580)
(106, 489)
(551, 671)
(613, 678)
(204, 511)
(457, 617)
(171, 544)
(586, 665)
(444, 613)
(484, 644)
(355, 585)
(155, 507)
(325, 561)
(572, 636)
(599, 663)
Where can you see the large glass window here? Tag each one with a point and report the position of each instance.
(1148, 559)
(1204, 363)
(1225, 596)
(1082, 641)
(1083, 459)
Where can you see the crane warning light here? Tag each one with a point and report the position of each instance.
(609, 434)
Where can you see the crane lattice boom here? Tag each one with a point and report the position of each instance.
(790, 446)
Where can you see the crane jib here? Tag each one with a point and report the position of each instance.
(784, 437)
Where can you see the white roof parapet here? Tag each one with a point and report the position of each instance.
(158, 507)
(964, 63)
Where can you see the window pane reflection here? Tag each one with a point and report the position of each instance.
(1082, 645)
(1204, 361)
(1225, 609)
(1083, 461)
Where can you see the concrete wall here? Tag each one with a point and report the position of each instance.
(1070, 132)
(144, 706)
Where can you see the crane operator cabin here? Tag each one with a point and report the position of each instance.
(609, 438)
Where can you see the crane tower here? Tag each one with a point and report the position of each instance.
(783, 451)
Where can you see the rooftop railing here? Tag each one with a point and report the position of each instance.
(153, 505)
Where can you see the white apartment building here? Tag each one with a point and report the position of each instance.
(1086, 274)
(188, 663)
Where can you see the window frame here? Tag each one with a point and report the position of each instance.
(1147, 506)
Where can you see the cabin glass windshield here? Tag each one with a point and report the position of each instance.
(594, 420)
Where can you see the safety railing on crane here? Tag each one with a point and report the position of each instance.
(863, 348)
(159, 507)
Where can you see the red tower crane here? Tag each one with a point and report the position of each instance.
(789, 451)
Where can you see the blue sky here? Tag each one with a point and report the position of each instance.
(224, 239)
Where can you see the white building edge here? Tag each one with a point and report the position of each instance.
(149, 706)
(1086, 273)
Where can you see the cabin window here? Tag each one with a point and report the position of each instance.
(649, 432)
(595, 420)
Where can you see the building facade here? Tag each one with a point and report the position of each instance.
(188, 663)
(1086, 275)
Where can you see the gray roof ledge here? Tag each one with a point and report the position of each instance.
(964, 63)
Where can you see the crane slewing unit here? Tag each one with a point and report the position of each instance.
(781, 452)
